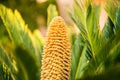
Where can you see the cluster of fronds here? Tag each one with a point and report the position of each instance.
(95, 52)
(19, 50)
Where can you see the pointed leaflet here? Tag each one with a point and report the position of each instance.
(114, 13)
(51, 13)
(108, 30)
(83, 62)
(39, 41)
(76, 53)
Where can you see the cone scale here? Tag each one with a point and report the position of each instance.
(56, 56)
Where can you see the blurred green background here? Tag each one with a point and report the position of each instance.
(34, 12)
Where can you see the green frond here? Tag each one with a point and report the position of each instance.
(51, 13)
(76, 53)
(26, 56)
(100, 48)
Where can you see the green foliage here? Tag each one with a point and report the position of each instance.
(95, 53)
(96, 50)
(4, 73)
(51, 13)
(28, 66)
(6, 66)
(18, 32)
(22, 56)
(25, 61)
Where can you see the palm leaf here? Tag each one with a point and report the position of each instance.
(27, 59)
(18, 31)
(111, 73)
(76, 53)
(102, 48)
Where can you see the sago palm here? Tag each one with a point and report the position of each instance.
(95, 52)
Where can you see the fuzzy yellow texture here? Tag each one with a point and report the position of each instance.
(56, 56)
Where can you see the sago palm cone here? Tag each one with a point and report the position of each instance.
(56, 56)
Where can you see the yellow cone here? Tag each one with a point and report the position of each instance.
(56, 56)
